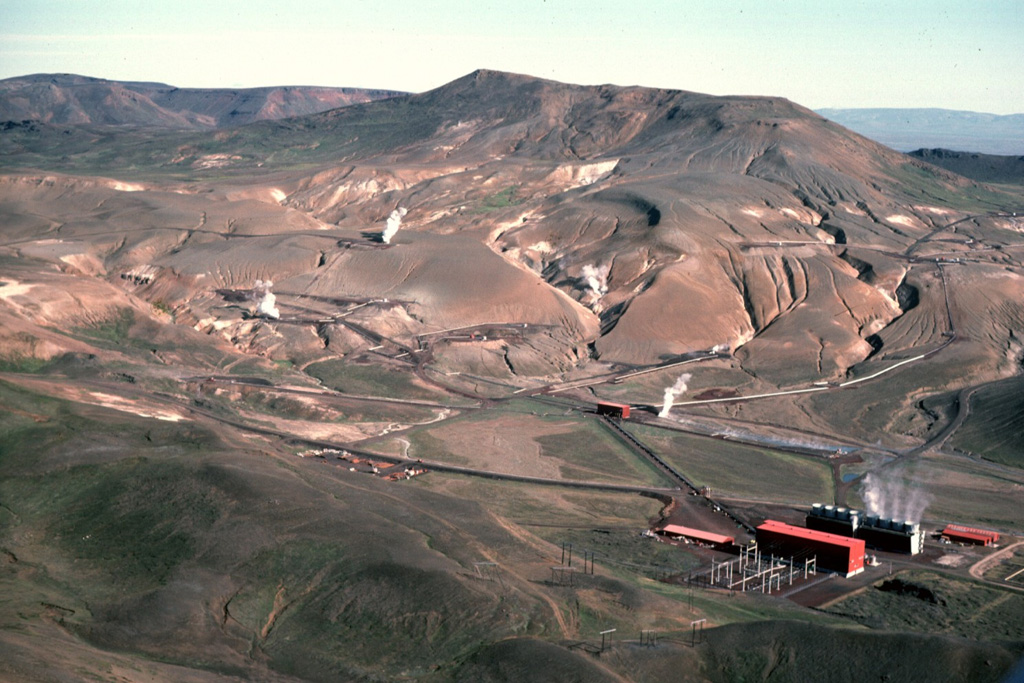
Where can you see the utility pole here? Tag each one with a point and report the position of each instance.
(693, 633)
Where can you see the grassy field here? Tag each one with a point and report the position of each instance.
(735, 469)
(540, 507)
(606, 523)
(372, 380)
(995, 427)
(534, 439)
(934, 603)
(102, 496)
(920, 184)
(499, 200)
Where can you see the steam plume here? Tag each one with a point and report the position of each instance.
(894, 499)
(596, 279)
(267, 305)
(394, 223)
(673, 391)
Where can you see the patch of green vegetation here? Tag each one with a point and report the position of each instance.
(339, 411)
(923, 184)
(500, 200)
(547, 507)
(592, 453)
(300, 143)
(127, 517)
(739, 469)
(879, 409)
(994, 427)
(926, 602)
(424, 445)
(370, 380)
(793, 650)
(23, 364)
(583, 448)
(114, 330)
(283, 569)
(389, 616)
(136, 519)
(255, 367)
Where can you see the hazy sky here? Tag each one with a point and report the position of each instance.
(820, 53)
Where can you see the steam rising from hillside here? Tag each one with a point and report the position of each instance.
(895, 499)
(672, 392)
(267, 305)
(394, 223)
(596, 280)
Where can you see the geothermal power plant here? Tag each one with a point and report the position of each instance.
(877, 532)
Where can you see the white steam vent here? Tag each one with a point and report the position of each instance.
(672, 392)
(267, 306)
(596, 279)
(393, 224)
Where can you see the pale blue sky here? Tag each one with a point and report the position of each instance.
(820, 53)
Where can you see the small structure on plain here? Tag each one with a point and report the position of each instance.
(966, 534)
(697, 536)
(620, 410)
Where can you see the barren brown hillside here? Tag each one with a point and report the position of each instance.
(63, 99)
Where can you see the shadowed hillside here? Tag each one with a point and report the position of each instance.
(988, 168)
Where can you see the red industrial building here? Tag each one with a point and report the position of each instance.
(966, 534)
(833, 552)
(620, 410)
(697, 536)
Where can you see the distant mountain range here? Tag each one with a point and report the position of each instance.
(70, 99)
(906, 130)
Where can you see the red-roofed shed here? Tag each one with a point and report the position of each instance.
(614, 409)
(698, 535)
(837, 553)
(966, 534)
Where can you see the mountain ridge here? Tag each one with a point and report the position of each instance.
(74, 99)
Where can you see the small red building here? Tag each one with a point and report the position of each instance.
(698, 535)
(833, 552)
(619, 410)
(966, 534)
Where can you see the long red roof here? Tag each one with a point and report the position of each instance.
(698, 534)
(970, 534)
(856, 544)
(970, 531)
